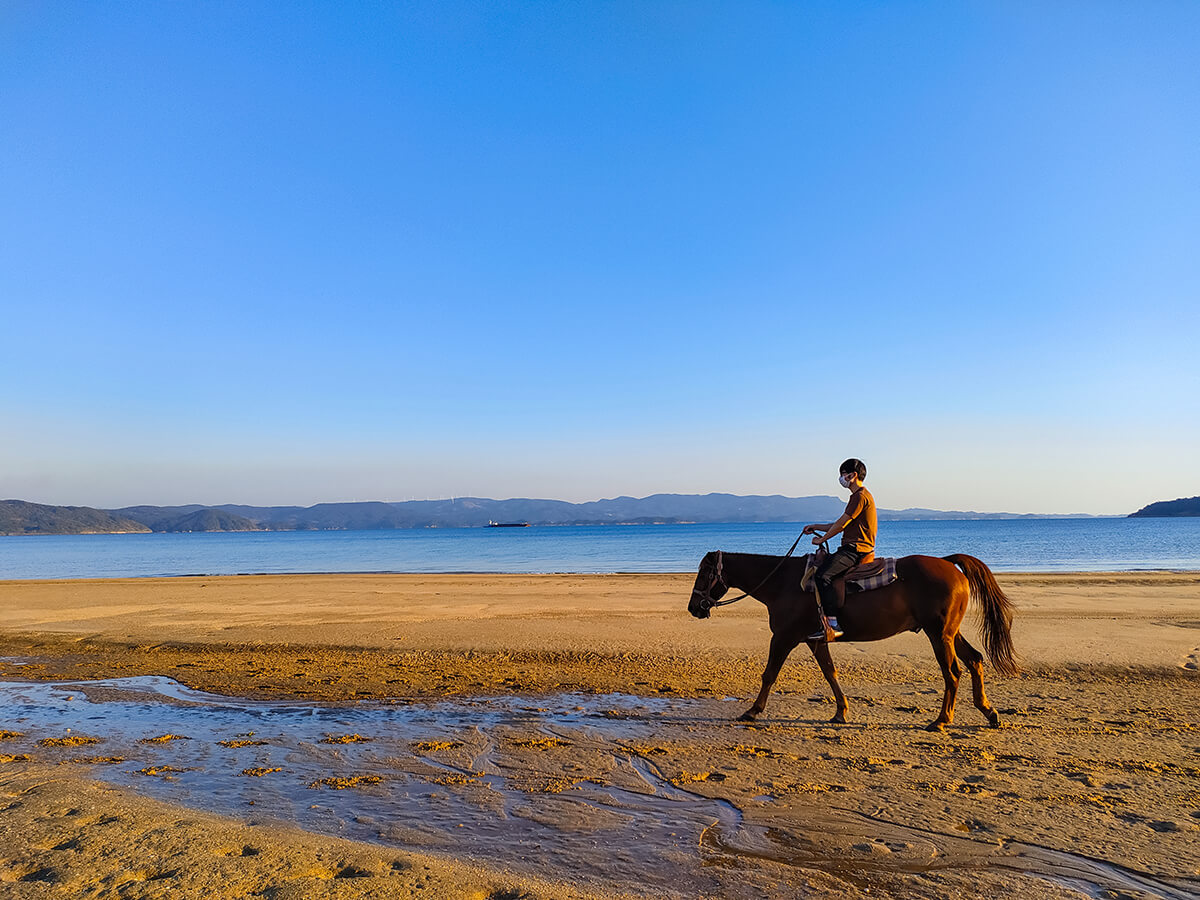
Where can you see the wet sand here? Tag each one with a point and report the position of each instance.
(1098, 756)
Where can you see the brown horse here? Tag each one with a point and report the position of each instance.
(930, 595)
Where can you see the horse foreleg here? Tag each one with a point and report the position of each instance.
(943, 649)
(825, 661)
(974, 661)
(780, 648)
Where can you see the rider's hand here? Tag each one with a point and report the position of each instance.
(818, 539)
(808, 529)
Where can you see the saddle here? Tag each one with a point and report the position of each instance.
(866, 576)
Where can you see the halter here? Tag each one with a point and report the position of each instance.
(706, 600)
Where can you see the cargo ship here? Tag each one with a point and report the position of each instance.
(508, 524)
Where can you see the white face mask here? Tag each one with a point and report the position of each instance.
(844, 480)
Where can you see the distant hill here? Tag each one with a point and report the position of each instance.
(915, 513)
(21, 517)
(188, 518)
(211, 520)
(1185, 506)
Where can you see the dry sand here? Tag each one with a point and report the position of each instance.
(1098, 759)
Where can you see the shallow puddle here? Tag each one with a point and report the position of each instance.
(547, 786)
(451, 777)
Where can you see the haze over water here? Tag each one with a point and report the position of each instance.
(1030, 545)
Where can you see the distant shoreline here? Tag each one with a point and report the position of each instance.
(949, 517)
(20, 517)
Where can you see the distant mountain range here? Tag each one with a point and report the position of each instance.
(22, 517)
(1185, 506)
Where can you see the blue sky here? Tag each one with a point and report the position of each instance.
(292, 253)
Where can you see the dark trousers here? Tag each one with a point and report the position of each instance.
(830, 578)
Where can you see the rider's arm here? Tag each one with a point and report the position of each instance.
(834, 528)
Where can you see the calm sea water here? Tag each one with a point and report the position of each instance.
(1023, 545)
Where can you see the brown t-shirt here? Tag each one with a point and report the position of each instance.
(860, 531)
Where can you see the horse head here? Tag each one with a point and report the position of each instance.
(710, 586)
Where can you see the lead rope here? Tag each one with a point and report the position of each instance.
(720, 577)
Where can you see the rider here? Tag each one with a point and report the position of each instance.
(858, 525)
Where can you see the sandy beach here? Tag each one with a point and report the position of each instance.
(1091, 784)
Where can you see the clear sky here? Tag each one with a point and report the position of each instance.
(285, 253)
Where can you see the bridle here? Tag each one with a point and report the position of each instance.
(718, 578)
(707, 602)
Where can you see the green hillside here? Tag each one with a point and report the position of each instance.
(210, 520)
(22, 517)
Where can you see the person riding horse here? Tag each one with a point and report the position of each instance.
(858, 526)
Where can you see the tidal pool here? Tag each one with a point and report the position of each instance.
(550, 786)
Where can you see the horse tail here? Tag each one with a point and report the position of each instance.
(997, 612)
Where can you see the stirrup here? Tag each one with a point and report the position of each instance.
(826, 633)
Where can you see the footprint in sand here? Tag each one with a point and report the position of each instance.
(1164, 826)
(246, 850)
(1193, 660)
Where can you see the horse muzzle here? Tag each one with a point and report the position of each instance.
(701, 606)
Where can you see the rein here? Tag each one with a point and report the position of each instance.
(719, 577)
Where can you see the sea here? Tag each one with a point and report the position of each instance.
(1006, 545)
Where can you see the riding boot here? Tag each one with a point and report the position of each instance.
(827, 626)
(826, 591)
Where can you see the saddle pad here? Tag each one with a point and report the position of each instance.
(872, 575)
(867, 577)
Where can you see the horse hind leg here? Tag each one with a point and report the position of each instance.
(974, 662)
(943, 649)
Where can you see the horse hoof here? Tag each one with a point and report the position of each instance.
(994, 719)
(748, 716)
(935, 726)
(839, 719)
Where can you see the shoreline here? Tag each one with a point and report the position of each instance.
(1015, 573)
